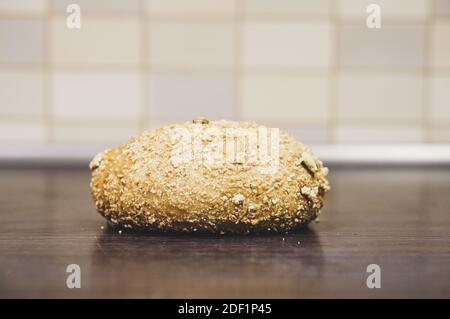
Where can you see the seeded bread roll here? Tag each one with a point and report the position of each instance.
(201, 176)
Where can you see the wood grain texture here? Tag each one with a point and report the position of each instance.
(397, 218)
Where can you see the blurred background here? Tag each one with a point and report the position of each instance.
(311, 67)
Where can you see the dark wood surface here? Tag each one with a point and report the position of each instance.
(398, 218)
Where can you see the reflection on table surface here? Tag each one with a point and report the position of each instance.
(395, 217)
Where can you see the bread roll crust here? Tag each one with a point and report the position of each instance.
(139, 186)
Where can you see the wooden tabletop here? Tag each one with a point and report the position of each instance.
(397, 218)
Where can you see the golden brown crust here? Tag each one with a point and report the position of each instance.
(138, 186)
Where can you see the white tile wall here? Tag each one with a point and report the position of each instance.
(391, 9)
(374, 96)
(99, 41)
(286, 45)
(285, 98)
(440, 134)
(440, 98)
(21, 40)
(23, 6)
(122, 7)
(192, 7)
(193, 45)
(24, 132)
(186, 96)
(393, 46)
(310, 67)
(367, 133)
(440, 50)
(22, 93)
(442, 8)
(93, 133)
(308, 133)
(306, 8)
(90, 95)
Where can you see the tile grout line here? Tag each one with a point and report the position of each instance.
(48, 82)
(258, 17)
(256, 70)
(332, 122)
(118, 120)
(144, 121)
(427, 73)
(238, 73)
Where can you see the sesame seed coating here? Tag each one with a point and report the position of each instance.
(138, 186)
